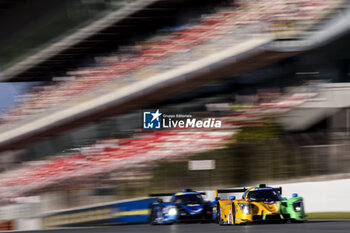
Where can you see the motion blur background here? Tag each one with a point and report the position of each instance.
(76, 76)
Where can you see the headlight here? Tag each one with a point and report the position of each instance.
(244, 207)
(172, 211)
(298, 206)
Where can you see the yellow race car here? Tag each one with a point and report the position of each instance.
(260, 203)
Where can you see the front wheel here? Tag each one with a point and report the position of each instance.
(153, 215)
(217, 219)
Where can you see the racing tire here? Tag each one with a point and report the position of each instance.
(152, 216)
(233, 214)
(218, 217)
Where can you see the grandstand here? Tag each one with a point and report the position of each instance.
(159, 63)
(119, 154)
(107, 156)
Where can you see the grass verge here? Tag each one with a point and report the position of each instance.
(329, 215)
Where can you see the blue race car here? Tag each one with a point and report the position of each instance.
(184, 206)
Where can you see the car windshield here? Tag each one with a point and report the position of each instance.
(264, 195)
(189, 199)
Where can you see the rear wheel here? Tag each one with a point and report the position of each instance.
(233, 214)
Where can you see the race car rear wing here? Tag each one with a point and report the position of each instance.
(168, 194)
(160, 194)
(240, 190)
(279, 189)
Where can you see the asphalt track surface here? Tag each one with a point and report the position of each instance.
(329, 226)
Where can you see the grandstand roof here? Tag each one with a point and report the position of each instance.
(115, 27)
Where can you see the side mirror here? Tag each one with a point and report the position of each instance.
(294, 195)
(232, 198)
(217, 198)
